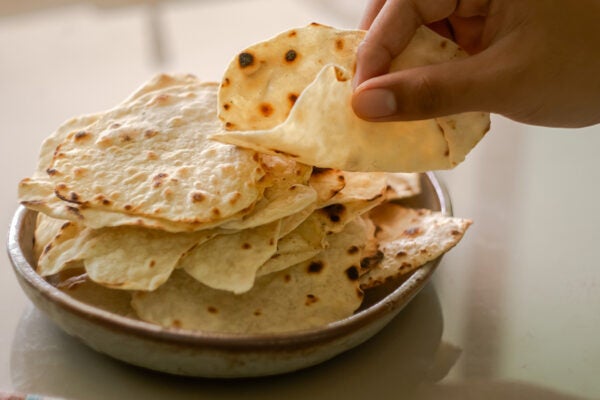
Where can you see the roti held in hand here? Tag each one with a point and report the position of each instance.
(319, 127)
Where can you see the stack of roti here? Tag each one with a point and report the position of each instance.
(142, 211)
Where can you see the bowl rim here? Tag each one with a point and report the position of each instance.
(389, 304)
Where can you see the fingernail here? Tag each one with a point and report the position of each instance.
(375, 103)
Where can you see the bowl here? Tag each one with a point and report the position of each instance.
(208, 354)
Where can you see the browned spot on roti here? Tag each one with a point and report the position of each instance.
(246, 246)
(225, 82)
(212, 310)
(266, 109)
(339, 44)
(215, 211)
(245, 59)
(81, 135)
(229, 125)
(150, 133)
(319, 171)
(352, 273)
(226, 106)
(292, 97)
(176, 323)
(369, 262)
(311, 299)
(292, 34)
(128, 207)
(51, 171)
(291, 55)
(257, 313)
(152, 263)
(401, 254)
(334, 212)
(353, 249)
(315, 267)
(443, 44)
(287, 278)
(197, 197)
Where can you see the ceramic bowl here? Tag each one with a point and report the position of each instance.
(204, 354)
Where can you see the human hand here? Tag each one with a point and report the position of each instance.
(534, 61)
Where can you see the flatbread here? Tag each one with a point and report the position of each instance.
(408, 238)
(321, 128)
(229, 262)
(151, 158)
(311, 294)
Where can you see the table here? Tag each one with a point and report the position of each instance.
(512, 312)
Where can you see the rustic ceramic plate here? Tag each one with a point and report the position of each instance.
(202, 354)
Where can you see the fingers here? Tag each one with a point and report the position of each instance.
(371, 11)
(392, 29)
(431, 91)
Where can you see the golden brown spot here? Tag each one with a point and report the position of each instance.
(51, 171)
(125, 138)
(215, 211)
(81, 135)
(246, 246)
(447, 153)
(226, 106)
(61, 186)
(229, 125)
(292, 97)
(340, 76)
(150, 133)
(319, 171)
(291, 55)
(176, 323)
(368, 263)
(401, 254)
(128, 207)
(266, 109)
(310, 299)
(423, 251)
(257, 313)
(225, 82)
(334, 212)
(315, 267)
(353, 250)
(271, 242)
(339, 44)
(150, 155)
(256, 157)
(352, 273)
(78, 171)
(212, 310)
(287, 278)
(455, 233)
(234, 198)
(197, 197)
(152, 263)
(74, 197)
(443, 44)
(245, 60)
(292, 34)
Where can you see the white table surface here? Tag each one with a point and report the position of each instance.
(513, 311)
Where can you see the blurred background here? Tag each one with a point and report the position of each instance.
(513, 312)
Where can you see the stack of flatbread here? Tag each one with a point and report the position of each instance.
(141, 203)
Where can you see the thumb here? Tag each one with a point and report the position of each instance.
(468, 84)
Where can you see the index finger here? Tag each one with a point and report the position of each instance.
(392, 29)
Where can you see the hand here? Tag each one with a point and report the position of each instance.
(534, 61)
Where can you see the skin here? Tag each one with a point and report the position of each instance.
(534, 61)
